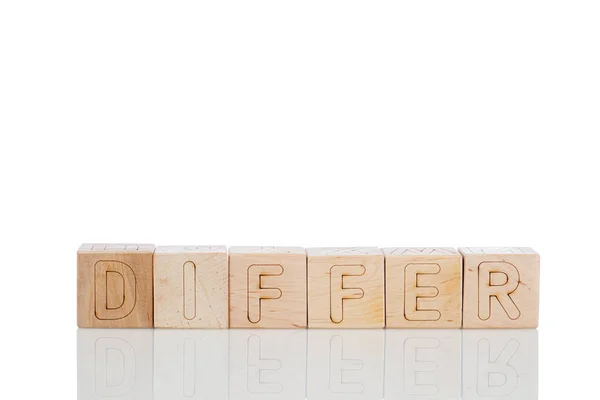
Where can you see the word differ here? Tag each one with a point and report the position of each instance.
(143, 286)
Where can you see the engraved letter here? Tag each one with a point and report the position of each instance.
(189, 290)
(416, 295)
(115, 290)
(497, 279)
(339, 292)
(256, 291)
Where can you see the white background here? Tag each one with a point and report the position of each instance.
(300, 123)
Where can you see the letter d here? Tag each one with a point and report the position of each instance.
(115, 290)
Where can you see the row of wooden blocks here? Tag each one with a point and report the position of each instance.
(143, 286)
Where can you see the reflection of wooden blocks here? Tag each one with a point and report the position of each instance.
(346, 364)
(190, 287)
(424, 364)
(500, 364)
(501, 287)
(266, 364)
(423, 287)
(189, 364)
(345, 288)
(267, 287)
(115, 364)
(114, 286)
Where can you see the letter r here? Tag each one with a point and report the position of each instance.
(497, 279)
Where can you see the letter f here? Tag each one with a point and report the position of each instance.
(256, 291)
(339, 292)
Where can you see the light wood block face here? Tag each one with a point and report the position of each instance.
(501, 287)
(191, 287)
(267, 287)
(423, 287)
(345, 288)
(114, 286)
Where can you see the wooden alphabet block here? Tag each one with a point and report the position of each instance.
(267, 287)
(501, 287)
(346, 288)
(423, 287)
(191, 287)
(114, 286)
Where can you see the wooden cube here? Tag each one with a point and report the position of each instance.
(191, 287)
(114, 286)
(423, 287)
(267, 287)
(346, 288)
(501, 287)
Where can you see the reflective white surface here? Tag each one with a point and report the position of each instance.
(313, 364)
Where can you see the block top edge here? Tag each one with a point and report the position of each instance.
(116, 248)
(420, 251)
(266, 250)
(343, 251)
(496, 250)
(190, 249)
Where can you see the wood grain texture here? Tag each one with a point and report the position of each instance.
(114, 286)
(501, 287)
(346, 287)
(191, 287)
(423, 287)
(267, 287)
